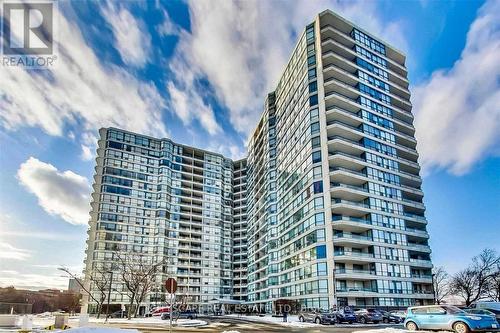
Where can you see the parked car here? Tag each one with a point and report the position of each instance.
(318, 317)
(481, 312)
(388, 317)
(399, 313)
(160, 310)
(447, 317)
(188, 314)
(344, 316)
(486, 305)
(489, 306)
(118, 314)
(368, 316)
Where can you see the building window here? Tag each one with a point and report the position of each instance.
(315, 142)
(318, 187)
(312, 73)
(313, 100)
(311, 60)
(368, 41)
(321, 252)
(316, 156)
(314, 127)
(313, 86)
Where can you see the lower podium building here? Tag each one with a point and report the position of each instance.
(326, 210)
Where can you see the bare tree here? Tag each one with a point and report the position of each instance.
(147, 284)
(474, 282)
(98, 280)
(441, 281)
(138, 273)
(494, 289)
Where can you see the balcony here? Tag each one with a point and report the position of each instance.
(330, 46)
(335, 113)
(353, 147)
(333, 72)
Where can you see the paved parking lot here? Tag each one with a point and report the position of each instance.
(243, 325)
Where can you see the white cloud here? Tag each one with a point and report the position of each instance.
(458, 110)
(65, 194)
(241, 48)
(20, 234)
(188, 106)
(23, 280)
(167, 27)
(79, 92)
(227, 149)
(89, 146)
(132, 40)
(87, 154)
(8, 251)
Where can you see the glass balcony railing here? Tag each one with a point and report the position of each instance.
(352, 236)
(349, 202)
(425, 262)
(337, 137)
(407, 174)
(354, 289)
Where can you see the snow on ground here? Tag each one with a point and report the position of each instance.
(44, 321)
(150, 320)
(100, 330)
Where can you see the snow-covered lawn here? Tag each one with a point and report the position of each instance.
(44, 321)
(150, 320)
(100, 330)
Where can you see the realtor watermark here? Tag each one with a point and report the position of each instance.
(27, 34)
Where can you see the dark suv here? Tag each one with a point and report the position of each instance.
(368, 316)
(389, 317)
(318, 317)
(345, 316)
(187, 314)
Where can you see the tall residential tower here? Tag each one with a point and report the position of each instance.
(168, 203)
(335, 212)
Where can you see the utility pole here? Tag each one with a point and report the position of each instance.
(109, 293)
(335, 291)
(434, 288)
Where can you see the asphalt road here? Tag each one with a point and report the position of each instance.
(221, 324)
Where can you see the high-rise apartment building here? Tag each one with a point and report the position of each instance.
(326, 210)
(169, 202)
(335, 212)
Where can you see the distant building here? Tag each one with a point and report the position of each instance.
(74, 286)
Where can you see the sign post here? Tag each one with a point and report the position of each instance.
(171, 287)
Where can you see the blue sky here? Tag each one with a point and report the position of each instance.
(198, 72)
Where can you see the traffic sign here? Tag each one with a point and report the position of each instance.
(171, 285)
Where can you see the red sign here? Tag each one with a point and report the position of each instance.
(171, 285)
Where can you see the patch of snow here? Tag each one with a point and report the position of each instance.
(146, 320)
(99, 330)
(149, 320)
(190, 322)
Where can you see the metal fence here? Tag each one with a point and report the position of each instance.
(15, 308)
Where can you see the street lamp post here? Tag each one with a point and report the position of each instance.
(335, 291)
(109, 293)
(434, 288)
